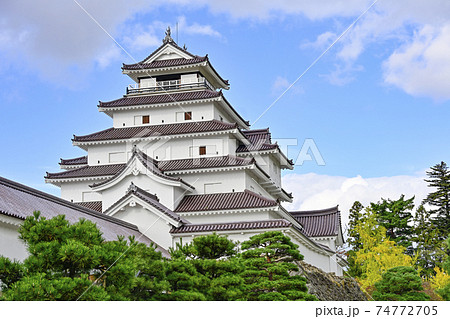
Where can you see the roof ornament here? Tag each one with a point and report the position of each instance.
(184, 47)
(132, 188)
(168, 38)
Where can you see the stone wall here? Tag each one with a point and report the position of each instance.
(329, 287)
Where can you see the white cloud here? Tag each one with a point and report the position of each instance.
(281, 83)
(422, 66)
(312, 191)
(196, 28)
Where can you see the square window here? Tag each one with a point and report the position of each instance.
(187, 116)
(146, 119)
(202, 150)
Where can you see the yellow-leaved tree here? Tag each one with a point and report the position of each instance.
(378, 253)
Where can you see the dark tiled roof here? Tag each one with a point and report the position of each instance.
(87, 171)
(156, 130)
(97, 206)
(164, 63)
(204, 162)
(149, 199)
(83, 160)
(161, 98)
(264, 224)
(20, 201)
(316, 223)
(138, 66)
(260, 140)
(149, 163)
(222, 201)
(173, 43)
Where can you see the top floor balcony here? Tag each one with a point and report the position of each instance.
(170, 85)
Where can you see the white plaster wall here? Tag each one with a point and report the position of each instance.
(99, 154)
(164, 115)
(181, 148)
(220, 115)
(73, 191)
(165, 193)
(327, 242)
(229, 181)
(252, 185)
(149, 224)
(10, 244)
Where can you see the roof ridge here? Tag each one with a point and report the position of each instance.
(172, 94)
(52, 198)
(259, 196)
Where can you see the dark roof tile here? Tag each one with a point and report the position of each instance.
(264, 224)
(203, 162)
(156, 130)
(168, 97)
(87, 171)
(97, 206)
(83, 160)
(316, 223)
(164, 63)
(222, 201)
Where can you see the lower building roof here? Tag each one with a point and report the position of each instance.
(262, 224)
(20, 201)
(320, 223)
(87, 171)
(224, 201)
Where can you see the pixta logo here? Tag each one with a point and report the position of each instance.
(308, 152)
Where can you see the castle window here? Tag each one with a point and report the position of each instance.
(202, 150)
(146, 119)
(187, 116)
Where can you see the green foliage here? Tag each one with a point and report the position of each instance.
(429, 249)
(400, 284)
(73, 262)
(268, 259)
(354, 240)
(378, 253)
(205, 269)
(445, 292)
(439, 178)
(395, 216)
(69, 262)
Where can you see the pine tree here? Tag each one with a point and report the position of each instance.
(354, 240)
(211, 270)
(445, 292)
(400, 284)
(395, 216)
(429, 249)
(69, 262)
(439, 178)
(269, 266)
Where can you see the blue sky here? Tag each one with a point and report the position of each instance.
(376, 105)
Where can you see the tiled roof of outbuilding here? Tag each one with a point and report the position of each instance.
(87, 171)
(167, 97)
(20, 201)
(204, 162)
(224, 201)
(156, 130)
(263, 224)
(83, 160)
(317, 223)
